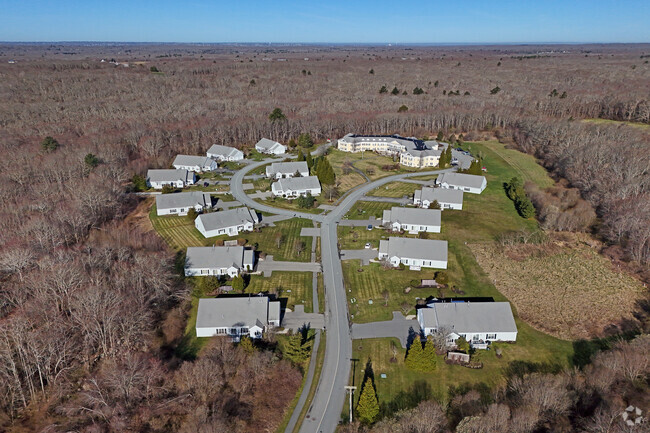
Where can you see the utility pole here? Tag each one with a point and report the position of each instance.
(350, 389)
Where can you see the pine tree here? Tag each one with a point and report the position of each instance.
(296, 349)
(246, 344)
(429, 352)
(525, 207)
(238, 284)
(448, 156)
(49, 144)
(368, 405)
(310, 161)
(325, 172)
(415, 355)
(301, 156)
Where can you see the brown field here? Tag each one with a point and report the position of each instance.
(564, 288)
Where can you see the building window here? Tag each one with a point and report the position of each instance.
(491, 337)
(204, 271)
(172, 211)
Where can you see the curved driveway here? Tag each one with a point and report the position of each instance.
(327, 405)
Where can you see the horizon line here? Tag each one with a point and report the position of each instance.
(330, 43)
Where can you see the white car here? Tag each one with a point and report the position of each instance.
(368, 246)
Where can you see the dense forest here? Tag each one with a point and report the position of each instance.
(90, 304)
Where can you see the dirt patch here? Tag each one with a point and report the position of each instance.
(564, 287)
(140, 216)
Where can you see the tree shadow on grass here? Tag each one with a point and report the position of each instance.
(418, 392)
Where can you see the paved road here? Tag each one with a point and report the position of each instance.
(399, 327)
(325, 411)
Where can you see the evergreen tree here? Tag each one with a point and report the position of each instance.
(440, 136)
(383, 89)
(513, 188)
(297, 349)
(368, 405)
(462, 344)
(415, 355)
(309, 160)
(246, 344)
(434, 205)
(429, 355)
(325, 172)
(305, 140)
(139, 183)
(301, 156)
(91, 160)
(238, 284)
(277, 115)
(395, 91)
(49, 144)
(525, 207)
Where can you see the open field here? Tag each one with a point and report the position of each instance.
(294, 286)
(565, 289)
(362, 210)
(395, 189)
(532, 346)
(641, 126)
(364, 161)
(178, 231)
(525, 165)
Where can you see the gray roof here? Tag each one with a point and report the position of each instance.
(425, 249)
(461, 179)
(274, 310)
(287, 167)
(265, 143)
(201, 161)
(167, 175)
(214, 257)
(406, 215)
(410, 144)
(442, 195)
(228, 218)
(298, 183)
(465, 317)
(183, 199)
(225, 151)
(232, 312)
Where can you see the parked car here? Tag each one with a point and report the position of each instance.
(369, 227)
(368, 246)
(206, 184)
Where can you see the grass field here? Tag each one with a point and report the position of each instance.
(642, 126)
(180, 233)
(566, 288)
(482, 219)
(526, 167)
(531, 347)
(395, 189)
(283, 203)
(362, 161)
(362, 210)
(354, 238)
(294, 286)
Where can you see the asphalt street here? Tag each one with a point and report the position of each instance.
(327, 405)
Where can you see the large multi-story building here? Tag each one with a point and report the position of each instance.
(412, 152)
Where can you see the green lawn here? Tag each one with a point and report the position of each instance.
(295, 286)
(642, 126)
(355, 238)
(531, 347)
(283, 203)
(180, 233)
(525, 166)
(395, 189)
(363, 210)
(482, 219)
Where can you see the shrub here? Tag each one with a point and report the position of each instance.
(403, 109)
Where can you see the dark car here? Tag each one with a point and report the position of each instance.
(206, 184)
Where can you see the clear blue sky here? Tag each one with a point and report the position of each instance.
(362, 21)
